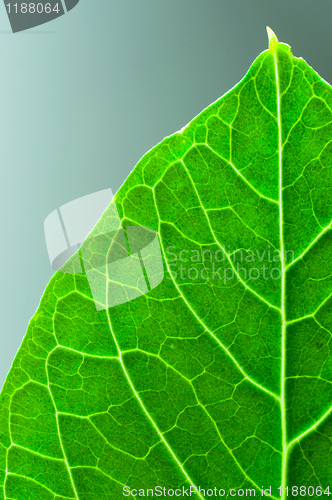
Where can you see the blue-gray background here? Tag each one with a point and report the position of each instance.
(84, 97)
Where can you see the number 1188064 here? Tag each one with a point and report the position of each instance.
(32, 8)
(302, 491)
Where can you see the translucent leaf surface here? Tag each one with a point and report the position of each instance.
(220, 376)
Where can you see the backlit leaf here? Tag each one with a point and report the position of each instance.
(221, 375)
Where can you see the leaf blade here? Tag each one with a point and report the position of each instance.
(194, 383)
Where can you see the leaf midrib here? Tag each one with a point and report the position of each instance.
(283, 288)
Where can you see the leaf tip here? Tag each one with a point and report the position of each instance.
(273, 40)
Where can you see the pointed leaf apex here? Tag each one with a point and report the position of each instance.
(273, 40)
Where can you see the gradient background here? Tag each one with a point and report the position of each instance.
(83, 98)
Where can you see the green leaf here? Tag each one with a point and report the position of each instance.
(220, 376)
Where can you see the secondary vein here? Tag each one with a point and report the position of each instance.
(161, 436)
(206, 328)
